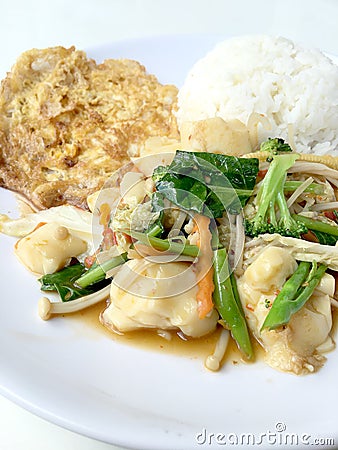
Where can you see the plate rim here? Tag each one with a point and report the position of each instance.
(48, 415)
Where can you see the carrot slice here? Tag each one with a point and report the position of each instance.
(204, 294)
(204, 268)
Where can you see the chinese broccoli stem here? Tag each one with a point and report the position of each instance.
(98, 271)
(317, 225)
(313, 188)
(164, 244)
(154, 230)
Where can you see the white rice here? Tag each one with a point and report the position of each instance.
(271, 76)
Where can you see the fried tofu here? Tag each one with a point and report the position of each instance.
(67, 123)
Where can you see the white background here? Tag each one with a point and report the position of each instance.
(88, 23)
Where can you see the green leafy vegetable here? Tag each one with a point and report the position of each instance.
(294, 294)
(63, 282)
(324, 238)
(207, 183)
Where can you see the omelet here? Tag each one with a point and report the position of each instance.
(68, 123)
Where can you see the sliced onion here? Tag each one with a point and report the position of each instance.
(297, 209)
(324, 206)
(334, 302)
(176, 228)
(239, 244)
(170, 258)
(314, 168)
(332, 181)
(309, 203)
(299, 191)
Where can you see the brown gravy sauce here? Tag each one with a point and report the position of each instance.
(198, 348)
(193, 348)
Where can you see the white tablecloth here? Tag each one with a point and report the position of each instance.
(87, 23)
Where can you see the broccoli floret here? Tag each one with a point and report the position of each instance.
(273, 215)
(275, 146)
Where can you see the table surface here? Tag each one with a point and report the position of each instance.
(87, 23)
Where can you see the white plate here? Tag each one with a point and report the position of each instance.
(80, 379)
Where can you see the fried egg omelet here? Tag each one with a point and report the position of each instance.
(67, 123)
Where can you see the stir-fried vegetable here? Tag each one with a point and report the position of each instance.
(301, 250)
(164, 244)
(312, 188)
(275, 146)
(47, 308)
(294, 294)
(325, 233)
(98, 272)
(207, 183)
(228, 304)
(321, 238)
(174, 218)
(271, 197)
(64, 282)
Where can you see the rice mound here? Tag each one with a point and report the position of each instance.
(271, 76)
